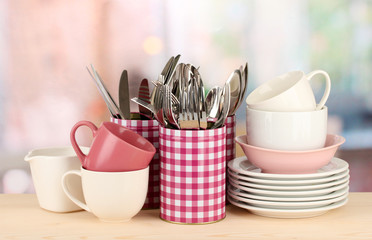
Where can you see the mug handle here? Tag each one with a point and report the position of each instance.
(76, 147)
(327, 90)
(68, 193)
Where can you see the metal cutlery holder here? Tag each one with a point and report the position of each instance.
(149, 129)
(192, 175)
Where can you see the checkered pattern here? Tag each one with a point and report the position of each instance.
(149, 129)
(230, 124)
(192, 175)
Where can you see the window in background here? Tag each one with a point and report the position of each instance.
(341, 43)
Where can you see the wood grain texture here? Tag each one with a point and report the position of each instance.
(22, 218)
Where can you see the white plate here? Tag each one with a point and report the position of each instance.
(290, 188)
(316, 192)
(245, 167)
(291, 213)
(287, 205)
(334, 194)
(291, 182)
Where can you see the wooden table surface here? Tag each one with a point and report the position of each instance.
(22, 218)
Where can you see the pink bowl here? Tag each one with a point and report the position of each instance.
(291, 162)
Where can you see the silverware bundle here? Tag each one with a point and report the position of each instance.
(178, 99)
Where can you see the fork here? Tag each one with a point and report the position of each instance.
(192, 110)
(158, 84)
(182, 119)
(168, 104)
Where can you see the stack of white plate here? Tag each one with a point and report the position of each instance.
(288, 195)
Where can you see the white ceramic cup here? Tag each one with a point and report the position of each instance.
(289, 92)
(110, 196)
(47, 168)
(290, 131)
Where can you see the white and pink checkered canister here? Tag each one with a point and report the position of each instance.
(148, 129)
(192, 175)
(230, 124)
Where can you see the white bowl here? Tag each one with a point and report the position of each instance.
(292, 131)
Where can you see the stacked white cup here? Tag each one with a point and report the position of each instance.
(282, 114)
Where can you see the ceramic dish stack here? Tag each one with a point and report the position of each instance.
(288, 195)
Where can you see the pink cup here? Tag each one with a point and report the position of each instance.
(148, 129)
(114, 148)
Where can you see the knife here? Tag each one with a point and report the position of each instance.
(124, 103)
(171, 68)
(144, 94)
(111, 105)
(166, 69)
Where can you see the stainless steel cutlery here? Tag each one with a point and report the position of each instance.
(144, 94)
(111, 105)
(178, 98)
(124, 95)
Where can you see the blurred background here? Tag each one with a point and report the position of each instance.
(45, 47)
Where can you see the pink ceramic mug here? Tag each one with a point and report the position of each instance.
(114, 148)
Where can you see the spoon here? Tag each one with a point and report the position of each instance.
(224, 104)
(211, 102)
(234, 82)
(244, 83)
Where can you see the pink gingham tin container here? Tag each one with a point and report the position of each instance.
(192, 175)
(230, 124)
(149, 129)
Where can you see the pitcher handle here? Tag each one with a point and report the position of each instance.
(327, 90)
(67, 191)
(76, 147)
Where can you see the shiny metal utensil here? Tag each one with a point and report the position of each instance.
(144, 104)
(244, 83)
(174, 81)
(234, 82)
(158, 106)
(183, 99)
(194, 105)
(110, 103)
(171, 69)
(160, 98)
(153, 106)
(166, 69)
(212, 102)
(161, 78)
(191, 120)
(223, 107)
(202, 112)
(165, 75)
(159, 84)
(144, 94)
(124, 103)
(170, 108)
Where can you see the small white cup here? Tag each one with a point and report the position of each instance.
(289, 92)
(47, 167)
(111, 196)
(290, 131)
